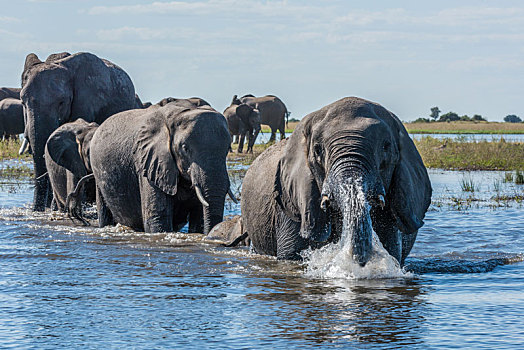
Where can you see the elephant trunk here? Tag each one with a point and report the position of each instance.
(349, 191)
(212, 182)
(38, 135)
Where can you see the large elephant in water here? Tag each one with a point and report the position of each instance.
(158, 168)
(273, 112)
(11, 118)
(62, 89)
(303, 184)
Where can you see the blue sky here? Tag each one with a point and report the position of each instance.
(462, 56)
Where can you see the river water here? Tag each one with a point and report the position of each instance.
(69, 286)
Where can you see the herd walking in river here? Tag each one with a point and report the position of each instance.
(159, 167)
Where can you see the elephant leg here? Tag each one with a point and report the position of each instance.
(105, 217)
(388, 233)
(273, 135)
(282, 130)
(289, 241)
(157, 208)
(196, 220)
(241, 143)
(407, 244)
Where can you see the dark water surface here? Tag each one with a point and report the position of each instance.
(68, 286)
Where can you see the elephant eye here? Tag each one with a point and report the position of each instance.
(386, 146)
(318, 153)
(185, 149)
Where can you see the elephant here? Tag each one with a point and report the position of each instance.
(62, 89)
(6, 92)
(243, 120)
(158, 168)
(11, 118)
(300, 185)
(273, 112)
(67, 158)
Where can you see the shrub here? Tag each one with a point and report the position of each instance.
(449, 117)
(512, 118)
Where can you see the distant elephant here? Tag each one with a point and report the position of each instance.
(11, 118)
(243, 120)
(67, 153)
(62, 89)
(300, 184)
(6, 92)
(273, 112)
(158, 168)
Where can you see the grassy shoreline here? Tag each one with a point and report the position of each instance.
(461, 127)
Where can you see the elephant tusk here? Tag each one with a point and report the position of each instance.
(200, 196)
(381, 201)
(232, 196)
(24, 146)
(324, 204)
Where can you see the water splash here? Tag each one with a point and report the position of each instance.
(336, 260)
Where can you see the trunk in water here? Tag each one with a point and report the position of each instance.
(357, 230)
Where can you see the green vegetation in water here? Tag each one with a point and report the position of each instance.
(467, 184)
(462, 154)
(16, 172)
(9, 150)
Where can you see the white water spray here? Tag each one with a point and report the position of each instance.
(336, 260)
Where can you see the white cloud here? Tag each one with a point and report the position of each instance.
(9, 19)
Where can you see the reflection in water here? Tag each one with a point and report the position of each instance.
(338, 311)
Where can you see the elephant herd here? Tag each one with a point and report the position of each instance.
(156, 168)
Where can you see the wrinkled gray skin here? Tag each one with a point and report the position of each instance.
(229, 231)
(197, 101)
(295, 184)
(273, 112)
(67, 159)
(11, 118)
(62, 89)
(6, 92)
(243, 120)
(163, 153)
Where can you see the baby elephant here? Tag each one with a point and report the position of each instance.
(11, 118)
(158, 168)
(67, 160)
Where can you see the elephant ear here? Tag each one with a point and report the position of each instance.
(410, 189)
(295, 188)
(243, 112)
(31, 60)
(64, 150)
(153, 151)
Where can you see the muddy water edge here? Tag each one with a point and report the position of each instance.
(63, 285)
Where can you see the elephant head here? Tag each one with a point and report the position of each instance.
(70, 146)
(182, 149)
(47, 95)
(354, 140)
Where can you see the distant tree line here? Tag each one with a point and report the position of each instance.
(435, 116)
